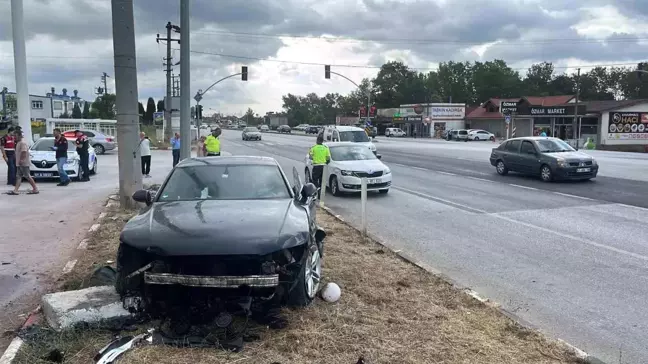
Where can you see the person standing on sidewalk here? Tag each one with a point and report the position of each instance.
(212, 143)
(8, 148)
(82, 148)
(321, 156)
(145, 152)
(175, 148)
(61, 148)
(22, 166)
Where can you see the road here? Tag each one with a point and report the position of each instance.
(570, 258)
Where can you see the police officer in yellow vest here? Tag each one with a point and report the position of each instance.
(212, 143)
(320, 155)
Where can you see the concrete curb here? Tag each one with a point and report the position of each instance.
(467, 290)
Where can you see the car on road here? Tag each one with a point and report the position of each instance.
(301, 127)
(263, 128)
(251, 133)
(342, 133)
(313, 129)
(349, 163)
(43, 160)
(98, 140)
(394, 132)
(227, 227)
(460, 134)
(478, 134)
(549, 158)
(283, 129)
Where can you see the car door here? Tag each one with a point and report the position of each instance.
(511, 155)
(529, 163)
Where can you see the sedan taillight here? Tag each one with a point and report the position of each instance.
(109, 140)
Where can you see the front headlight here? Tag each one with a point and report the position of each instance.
(594, 163)
(387, 171)
(562, 163)
(372, 147)
(346, 173)
(72, 162)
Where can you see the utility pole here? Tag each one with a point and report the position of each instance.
(168, 103)
(20, 67)
(185, 84)
(104, 80)
(173, 85)
(123, 25)
(575, 126)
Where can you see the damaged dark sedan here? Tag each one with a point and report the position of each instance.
(223, 230)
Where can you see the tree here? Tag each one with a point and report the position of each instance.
(76, 111)
(538, 79)
(494, 79)
(86, 110)
(455, 82)
(141, 112)
(65, 115)
(249, 117)
(160, 105)
(150, 110)
(103, 107)
(11, 105)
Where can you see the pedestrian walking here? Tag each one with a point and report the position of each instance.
(8, 149)
(200, 152)
(22, 166)
(212, 143)
(145, 152)
(61, 148)
(83, 150)
(175, 148)
(321, 156)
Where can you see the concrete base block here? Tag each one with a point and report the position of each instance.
(91, 305)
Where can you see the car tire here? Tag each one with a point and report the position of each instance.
(546, 174)
(385, 191)
(476, 139)
(333, 184)
(500, 167)
(99, 149)
(308, 281)
(93, 171)
(492, 139)
(127, 264)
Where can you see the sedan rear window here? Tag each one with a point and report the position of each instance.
(251, 130)
(463, 132)
(45, 145)
(225, 182)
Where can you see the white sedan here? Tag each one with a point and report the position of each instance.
(43, 160)
(477, 135)
(349, 163)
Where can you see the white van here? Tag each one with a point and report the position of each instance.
(343, 133)
(394, 132)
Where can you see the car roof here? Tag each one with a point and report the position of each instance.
(228, 160)
(535, 138)
(345, 128)
(339, 144)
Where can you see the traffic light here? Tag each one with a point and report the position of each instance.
(244, 73)
(372, 111)
(199, 110)
(327, 72)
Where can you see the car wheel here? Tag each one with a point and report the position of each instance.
(307, 177)
(94, 167)
(476, 139)
(545, 173)
(492, 139)
(99, 149)
(309, 279)
(384, 192)
(501, 168)
(335, 189)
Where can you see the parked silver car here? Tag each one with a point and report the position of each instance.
(98, 140)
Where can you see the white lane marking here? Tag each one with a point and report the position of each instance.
(447, 173)
(634, 207)
(94, 228)
(83, 245)
(480, 179)
(572, 237)
(400, 165)
(11, 352)
(525, 187)
(420, 168)
(69, 266)
(438, 199)
(574, 196)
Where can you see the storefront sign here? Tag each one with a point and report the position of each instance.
(441, 112)
(556, 111)
(408, 119)
(628, 125)
(508, 107)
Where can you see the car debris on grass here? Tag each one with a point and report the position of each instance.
(389, 311)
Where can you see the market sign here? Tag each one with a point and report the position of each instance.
(444, 112)
(555, 111)
(508, 107)
(628, 125)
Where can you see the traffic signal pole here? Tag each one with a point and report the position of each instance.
(20, 67)
(185, 80)
(327, 75)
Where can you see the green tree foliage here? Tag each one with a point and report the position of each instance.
(160, 105)
(150, 110)
(103, 107)
(465, 82)
(76, 111)
(86, 110)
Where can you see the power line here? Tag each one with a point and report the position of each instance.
(503, 42)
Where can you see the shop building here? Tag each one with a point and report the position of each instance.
(616, 125)
(428, 120)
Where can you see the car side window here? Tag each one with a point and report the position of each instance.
(513, 146)
(527, 147)
(89, 134)
(336, 136)
(328, 135)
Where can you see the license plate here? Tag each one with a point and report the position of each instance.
(373, 181)
(40, 174)
(583, 170)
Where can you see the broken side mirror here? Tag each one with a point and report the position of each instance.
(308, 190)
(379, 156)
(143, 196)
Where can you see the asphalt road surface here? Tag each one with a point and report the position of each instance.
(570, 258)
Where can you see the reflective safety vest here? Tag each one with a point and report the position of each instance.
(9, 143)
(320, 154)
(212, 144)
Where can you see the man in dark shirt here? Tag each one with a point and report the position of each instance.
(61, 148)
(83, 146)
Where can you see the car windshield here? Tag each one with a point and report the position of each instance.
(357, 136)
(462, 132)
(250, 129)
(45, 145)
(351, 153)
(553, 146)
(225, 182)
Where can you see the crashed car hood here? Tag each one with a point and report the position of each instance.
(221, 227)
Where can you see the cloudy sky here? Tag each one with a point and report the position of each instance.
(285, 42)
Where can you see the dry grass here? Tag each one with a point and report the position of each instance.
(390, 312)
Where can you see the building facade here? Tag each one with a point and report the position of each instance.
(41, 106)
(428, 120)
(62, 104)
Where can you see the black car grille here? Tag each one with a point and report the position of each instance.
(39, 164)
(213, 265)
(368, 175)
(577, 164)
